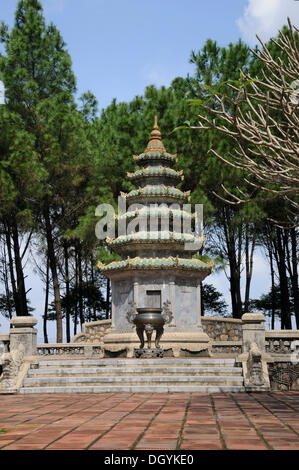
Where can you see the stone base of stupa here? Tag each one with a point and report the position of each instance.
(174, 343)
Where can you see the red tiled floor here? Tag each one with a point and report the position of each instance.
(145, 421)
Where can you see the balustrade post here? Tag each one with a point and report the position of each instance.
(254, 359)
(253, 329)
(16, 362)
(22, 332)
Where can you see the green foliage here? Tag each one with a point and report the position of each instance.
(212, 301)
(20, 171)
(105, 256)
(92, 299)
(211, 255)
(271, 302)
(7, 304)
(51, 138)
(60, 158)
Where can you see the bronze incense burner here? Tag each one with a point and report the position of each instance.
(147, 320)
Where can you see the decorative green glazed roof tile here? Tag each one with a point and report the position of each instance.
(157, 190)
(156, 263)
(154, 236)
(145, 156)
(156, 212)
(156, 171)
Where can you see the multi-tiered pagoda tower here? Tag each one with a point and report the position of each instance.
(156, 269)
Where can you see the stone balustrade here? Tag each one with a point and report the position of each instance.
(49, 350)
(283, 346)
(282, 342)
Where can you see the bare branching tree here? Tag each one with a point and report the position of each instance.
(261, 116)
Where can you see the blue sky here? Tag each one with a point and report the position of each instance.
(118, 47)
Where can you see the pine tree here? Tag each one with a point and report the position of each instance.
(40, 84)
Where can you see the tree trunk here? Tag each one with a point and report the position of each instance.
(294, 275)
(234, 280)
(46, 340)
(55, 280)
(272, 289)
(76, 290)
(6, 283)
(87, 283)
(286, 322)
(108, 299)
(234, 261)
(21, 291)
(11, 271)
(249, 266)
(67, 290)
(235, 290)
(81, 314)
(93, 285)
(202, 306)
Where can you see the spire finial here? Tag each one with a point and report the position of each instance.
(155, 142)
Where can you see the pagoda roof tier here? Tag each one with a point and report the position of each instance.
(153, 171)
(155, 155)
(155, 240)
(171, 262)
(160, 212)
(152, 192)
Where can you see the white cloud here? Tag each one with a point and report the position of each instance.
(156, 75)
(265, 18)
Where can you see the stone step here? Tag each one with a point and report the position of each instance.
(135, 389)
(134, 375)
(160, 362)
(127, 380)
(88, 371)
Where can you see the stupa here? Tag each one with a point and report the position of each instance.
(156, 269)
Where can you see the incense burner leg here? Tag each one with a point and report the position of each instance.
(140, 333)
(159, 333)
(149, 331)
